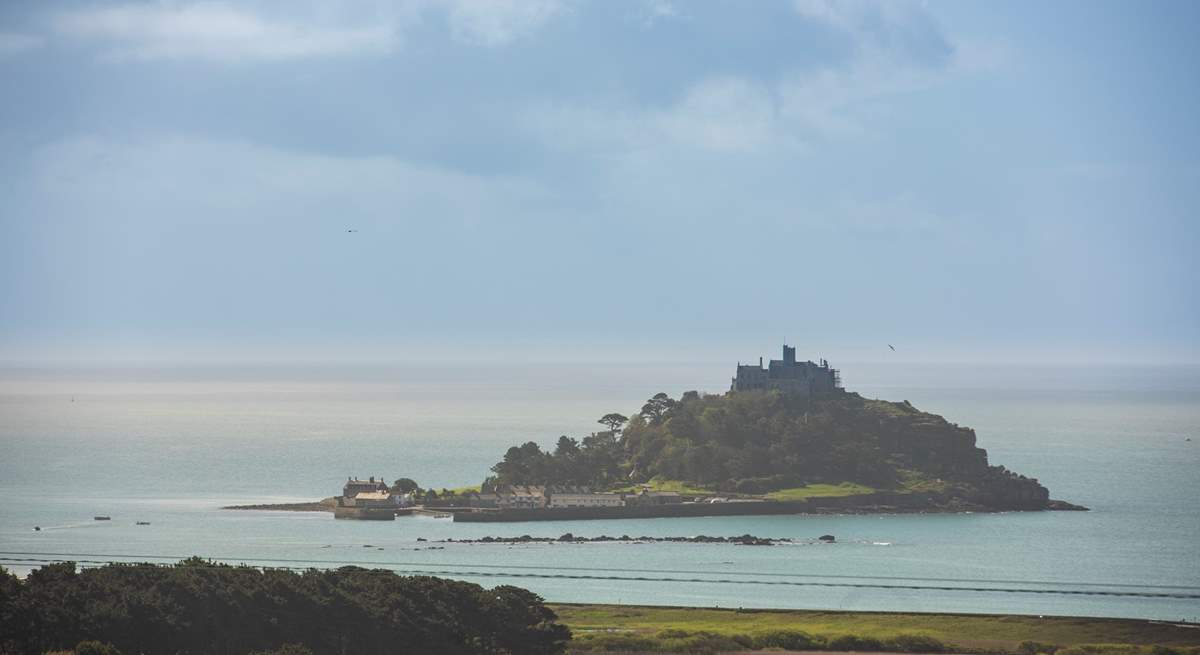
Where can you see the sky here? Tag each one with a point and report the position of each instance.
(548, 180)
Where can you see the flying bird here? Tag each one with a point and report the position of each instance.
(892, 347)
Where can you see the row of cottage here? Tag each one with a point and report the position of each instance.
(375, 493)
(543, 497)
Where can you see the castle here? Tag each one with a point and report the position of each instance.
(787, 375)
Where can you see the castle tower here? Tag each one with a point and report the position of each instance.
(789, 355)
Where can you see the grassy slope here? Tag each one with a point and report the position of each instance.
(820, 490)
(659, 484)
(992, 633)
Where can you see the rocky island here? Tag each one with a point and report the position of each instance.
(786, 438)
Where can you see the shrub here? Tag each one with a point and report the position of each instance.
(1100, 649)
(613, 643)
(915, 644)
(788, 640)
(854, 642)
(704, 643)
(1036, 648)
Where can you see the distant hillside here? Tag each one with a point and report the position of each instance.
(759, 442)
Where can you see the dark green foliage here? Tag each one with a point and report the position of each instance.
(915, 644)
(596, 462)
(762, 441)
(756, 442)
(405, 485)
(619, 643)
(856, 643)
(613, 421)
(788, 640)
(658, 408)
(200, 607)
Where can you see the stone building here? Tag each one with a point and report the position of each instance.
(521, 497)
(787, 375)
(354, 486)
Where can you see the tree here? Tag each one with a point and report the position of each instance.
(657, 408)
(405, 486)
(205, 607)
(566, 448)
(613, 421)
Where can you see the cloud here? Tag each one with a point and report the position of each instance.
(899, 28)
(720, 114)
(498, 22)
(12, 43)
(898, 50)
(266, 30)
(741, 114)
(215, 31)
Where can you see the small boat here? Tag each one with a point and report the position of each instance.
(37, 528)
(102, 518)
(143, 523)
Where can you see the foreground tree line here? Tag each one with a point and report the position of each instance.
(198, 607)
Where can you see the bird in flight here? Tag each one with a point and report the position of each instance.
(892, 347)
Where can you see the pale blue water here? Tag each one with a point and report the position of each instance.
(171, 446)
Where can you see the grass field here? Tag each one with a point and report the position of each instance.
(820, 490)
(677, 486)
(592, 624)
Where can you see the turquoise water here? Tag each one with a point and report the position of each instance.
(171, 446)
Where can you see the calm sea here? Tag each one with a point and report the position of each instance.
(170, 446)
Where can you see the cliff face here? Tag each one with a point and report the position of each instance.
(933, 446)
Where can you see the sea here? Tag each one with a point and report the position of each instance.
(167, 447)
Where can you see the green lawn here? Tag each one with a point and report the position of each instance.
(820, 490)
(978, 633)
(658, 484)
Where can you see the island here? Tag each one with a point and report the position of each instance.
(786, 438)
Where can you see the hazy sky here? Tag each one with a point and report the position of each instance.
(588, 180)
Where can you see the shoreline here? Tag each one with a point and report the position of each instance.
(880, 503)
(323, 505)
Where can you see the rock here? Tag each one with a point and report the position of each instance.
(1064, 506)
(827, 538)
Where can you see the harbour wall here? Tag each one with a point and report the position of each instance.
(873, 503)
